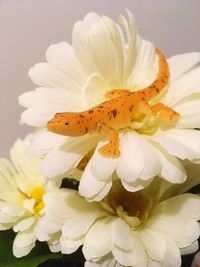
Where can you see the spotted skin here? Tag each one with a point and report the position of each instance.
(116, 113)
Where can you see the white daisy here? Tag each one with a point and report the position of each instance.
(21, 198)
(143, 228)
(106, 55)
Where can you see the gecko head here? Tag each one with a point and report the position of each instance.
(68, 123)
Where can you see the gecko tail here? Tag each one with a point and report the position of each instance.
(162, 78)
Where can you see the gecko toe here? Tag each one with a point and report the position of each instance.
(109, 151)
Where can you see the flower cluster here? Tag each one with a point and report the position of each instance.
(131, 208)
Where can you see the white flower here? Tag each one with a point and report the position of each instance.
(106, 55)
(21, 197)
(127, 228)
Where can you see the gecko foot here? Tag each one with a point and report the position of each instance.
(109, 150)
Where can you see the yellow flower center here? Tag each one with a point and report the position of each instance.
(35, 198)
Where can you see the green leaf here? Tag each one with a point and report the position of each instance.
(70, 183)
(73, 260)
(195, 189)
(38, 255)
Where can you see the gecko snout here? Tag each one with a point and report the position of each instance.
(68, 123)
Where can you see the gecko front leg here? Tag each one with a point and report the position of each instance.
(110, 150)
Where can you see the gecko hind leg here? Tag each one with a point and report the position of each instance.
(116, 93)
(111, 149)
(166, 113)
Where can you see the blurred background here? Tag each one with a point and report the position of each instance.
(28, 27)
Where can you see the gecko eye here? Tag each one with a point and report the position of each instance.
(66, 123)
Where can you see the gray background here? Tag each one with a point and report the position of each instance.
(28, 27)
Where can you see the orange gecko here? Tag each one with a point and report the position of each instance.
(116, 113)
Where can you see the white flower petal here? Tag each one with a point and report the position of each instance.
(10, 213)
(46, 102)
(190, 249)
(23, 243)
(24, 224)
(55, 204)
(7, 181)
(102, 193)
(59, 163)
(121, 235)
(89, 186)
(12, 210)
(172, 170)
(97, 245)
(50, 96)
(22, 251)
(72, 227)
(188, 138)
(7, 220)
(135, 152)
(5, 226)
(151, 156)
(95, 89)
(62, 161)
(190, 114)
(130, 39)
(46, 227)
(172, 255)
(125, 258)
(80, 41)
(139, 254)
(107, 261)
(175, 147)
(187, 205)
(28, 204)
(139, 184)
(106, 47)
(69, 246)
(137, 257)
(45, 95)
(62, 57)
(182, 63)
(181, 225)
(25, 238)
(46, 75)
(26, 99)
(96, 163)
(38, 115)
(144, 71)
(59, 204)
(44, 141)
(131, 161)
(152, 263)
(193, 171)
(185, 86)
(27, 167)
(54, 246)
(149, 237)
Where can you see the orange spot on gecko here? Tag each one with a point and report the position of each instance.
(116, 113)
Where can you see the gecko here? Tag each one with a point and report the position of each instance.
(117, 112)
